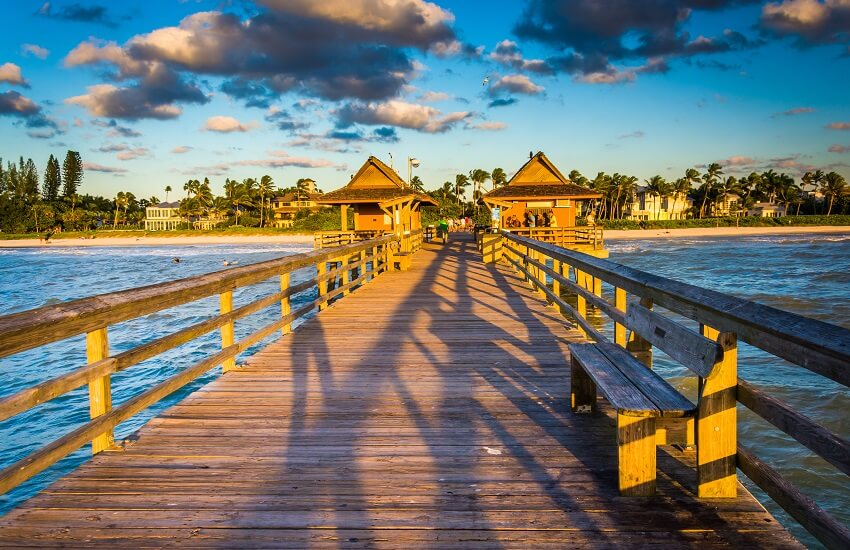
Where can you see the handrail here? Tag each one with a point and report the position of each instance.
(817, 346)
(338, 272)
(591, 236)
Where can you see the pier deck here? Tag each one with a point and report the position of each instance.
(428, 408)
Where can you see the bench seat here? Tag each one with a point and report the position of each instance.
(630, 387)
(641, 398)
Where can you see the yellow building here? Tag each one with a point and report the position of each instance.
(382, 202)
(162, 217)
(646, 206)
(287, 206)
(539, 188)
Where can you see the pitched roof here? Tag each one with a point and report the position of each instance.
(538, 179)
(374, 182)
(175, 204)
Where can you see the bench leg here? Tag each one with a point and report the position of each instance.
(582, 389)
(636, 455)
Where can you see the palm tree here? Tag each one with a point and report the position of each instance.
(266, 189)
(120, 201)
(657, 186)
(204, 195)
(417, 185)
(834, 185)
(461, 183)
(680, 187)
(167, 191)
(602, 184)
(498, 178)
(727, 187)
(241, 197)
(712, 173)
(478, 177)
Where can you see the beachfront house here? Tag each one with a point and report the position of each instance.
(730, 204)
(540, 188)
(162, 217)
(381, 200)
(286, 207)
(643, 205)
(767, 210)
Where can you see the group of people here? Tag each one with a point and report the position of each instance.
(532, 219)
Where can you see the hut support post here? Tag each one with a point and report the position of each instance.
(100, 389)
(322, 282)
(227, 338)
(343, 214)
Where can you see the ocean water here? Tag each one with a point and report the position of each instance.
(35, 277)
(809, 275)
(804, 274)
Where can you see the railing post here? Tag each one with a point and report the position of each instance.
(620, 330)
(346, 274)
(322, 284)
(227, 339)
(717, 417)
(374, 264)
(100, 390)
(285, 304)
(637, 345)
(581, 302)
(556, 284)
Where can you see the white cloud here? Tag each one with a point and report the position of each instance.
(93, 167)
(516, 83)
(402, 114)
(35, 51)
(11, 74)
(180, 149)
(107, 100)
(130, 154)
(434, 97)
(227, 124)
(489, 126)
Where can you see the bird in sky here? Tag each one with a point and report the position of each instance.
(486, 80)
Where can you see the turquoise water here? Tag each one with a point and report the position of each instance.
(804, 274)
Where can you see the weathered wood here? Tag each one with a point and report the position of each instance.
(37, 327)
(717, 417)
(285, 303)
(827, 444)
(636, 455)
(686, 346)
(832, 533)
(100, 390)
(820, 347)
(226, 306)
(619, 328)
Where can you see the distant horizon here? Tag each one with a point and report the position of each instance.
(298, 89)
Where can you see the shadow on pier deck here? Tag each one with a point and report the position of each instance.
(428, 408)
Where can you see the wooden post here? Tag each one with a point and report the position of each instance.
(636, 455)
(556, 284)
(637, 345)
(227, 338)
(374, 264)
(346, 274)
(716, 429)
(321, 270)
(285, 304)
(581, 302)
(100, 390)
(620, 330)
(343, 209)
(582, 389)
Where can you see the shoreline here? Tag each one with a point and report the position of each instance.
(610, 235)
(630, 234)
(160, 241)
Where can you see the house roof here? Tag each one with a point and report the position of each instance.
(375, 182)
(540, 179)
(175, 204)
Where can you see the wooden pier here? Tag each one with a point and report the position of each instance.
(428, 407)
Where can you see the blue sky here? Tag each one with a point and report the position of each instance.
(155, 93)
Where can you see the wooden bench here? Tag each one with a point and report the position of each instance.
(650, 412)
(402, 261)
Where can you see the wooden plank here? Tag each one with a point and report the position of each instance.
(612, 383)
(686, 346)
(832, 533)
(828, 445)
(100, 391)
(669, 402)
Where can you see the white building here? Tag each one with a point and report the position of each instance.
(767, 210)
(162, 217)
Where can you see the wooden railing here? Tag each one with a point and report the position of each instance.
(331, 239)
(814, 345)
(586, 236)
(338, 272)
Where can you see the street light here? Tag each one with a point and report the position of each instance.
(411, 164)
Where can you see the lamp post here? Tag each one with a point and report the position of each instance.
(411, 164)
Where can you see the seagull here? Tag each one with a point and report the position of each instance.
(486, 80)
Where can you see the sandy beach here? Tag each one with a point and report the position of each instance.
(723, 232)
(160, 241)
(308, 239)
